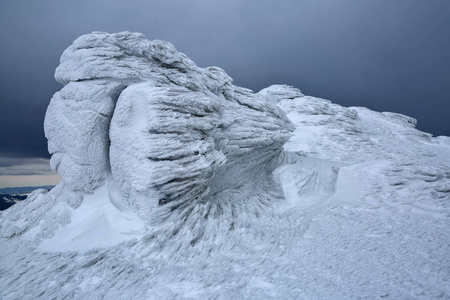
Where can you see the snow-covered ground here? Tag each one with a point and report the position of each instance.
(95, 223)
(354, 205)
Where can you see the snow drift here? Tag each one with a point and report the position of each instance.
(178, 184)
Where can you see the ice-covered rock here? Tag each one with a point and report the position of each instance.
(174, 126)
(77, 127)
(277, 92)
(178, 184)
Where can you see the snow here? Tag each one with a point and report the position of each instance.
(179, 185)
(95, 223)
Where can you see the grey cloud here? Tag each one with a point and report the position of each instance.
(24, 166)
(385, 55)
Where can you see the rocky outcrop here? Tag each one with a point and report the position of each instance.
(144, 117)
(77, 128)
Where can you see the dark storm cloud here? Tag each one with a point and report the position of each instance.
(24, 166)
(385, 55)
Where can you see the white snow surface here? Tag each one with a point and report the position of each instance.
(177, 184)
(95, 223)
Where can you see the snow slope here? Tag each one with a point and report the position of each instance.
(183, 186)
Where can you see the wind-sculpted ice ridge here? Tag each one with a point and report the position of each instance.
(178, 184)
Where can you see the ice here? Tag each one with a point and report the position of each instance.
(170, 145)
(145, 116)
(178, 184)
(77, 128)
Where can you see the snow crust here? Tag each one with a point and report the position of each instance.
(95, 223)
(177, 184)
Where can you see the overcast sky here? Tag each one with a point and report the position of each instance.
(383, 54)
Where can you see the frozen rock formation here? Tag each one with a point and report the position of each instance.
(174, 125)
(177, 184)
(77, 127)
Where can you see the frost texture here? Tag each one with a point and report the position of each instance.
(177, 184)
(175, 125)
(77, 126)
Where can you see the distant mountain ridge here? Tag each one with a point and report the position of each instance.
(6, 200)
(24, 190)
(11, 195)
